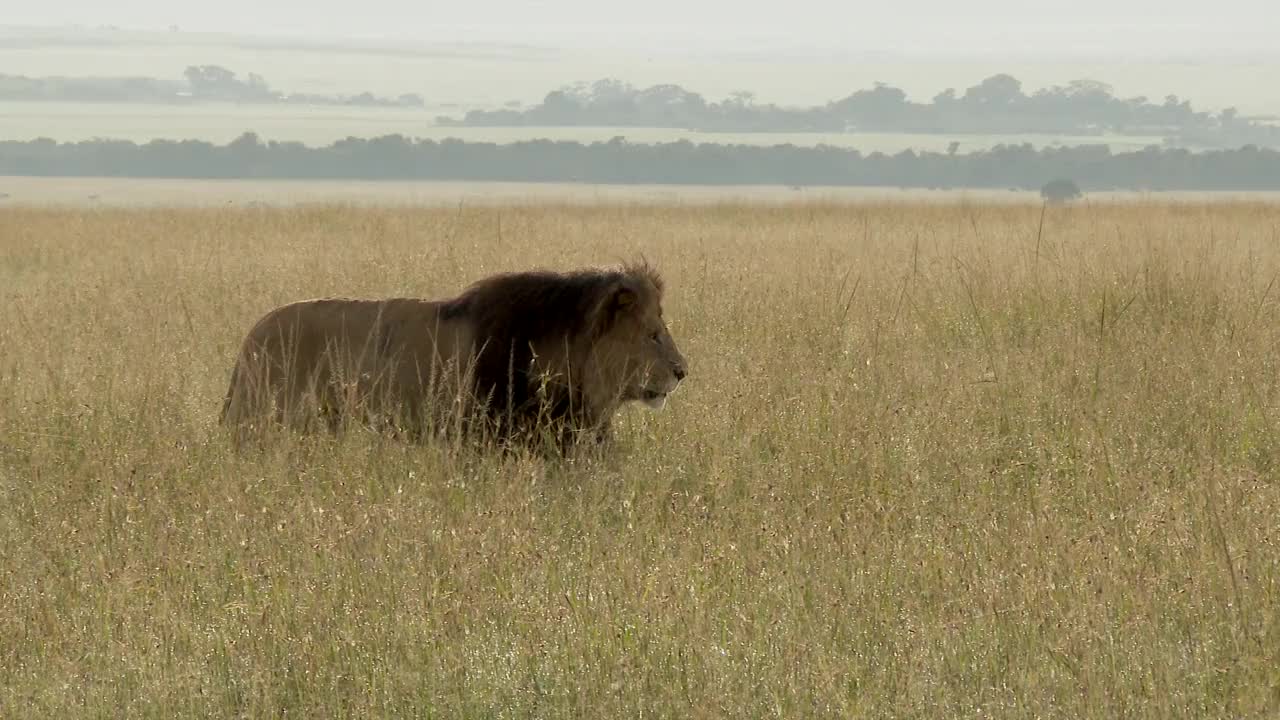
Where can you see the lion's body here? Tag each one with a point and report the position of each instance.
(333, 356)
(518, 352)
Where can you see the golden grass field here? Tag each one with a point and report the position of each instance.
(930, 461)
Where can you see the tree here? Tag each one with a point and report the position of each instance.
(1000, 90)
(211, 80)
(1059, 191)
(946, 97)
(1089, 88)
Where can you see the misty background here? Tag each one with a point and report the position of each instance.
(806, 51)
(1134, 28)
(920, 76)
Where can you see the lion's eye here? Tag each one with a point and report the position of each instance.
(655, 336)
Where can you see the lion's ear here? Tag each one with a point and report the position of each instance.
(624, 297)
(617, 301)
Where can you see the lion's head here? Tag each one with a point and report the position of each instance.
(633, 354)
(569, 346)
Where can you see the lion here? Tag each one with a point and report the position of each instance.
(521, 356)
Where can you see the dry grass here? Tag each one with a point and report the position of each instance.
(929, 462)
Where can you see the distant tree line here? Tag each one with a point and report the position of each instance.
(394, 157)
(20, 88)
(997, 105)
(204, 83)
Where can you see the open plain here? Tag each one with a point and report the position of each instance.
(931, 460)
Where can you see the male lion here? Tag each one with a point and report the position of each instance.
(516, 355)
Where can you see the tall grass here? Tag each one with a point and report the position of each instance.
(930, 461)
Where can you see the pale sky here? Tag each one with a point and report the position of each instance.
(1090, 27)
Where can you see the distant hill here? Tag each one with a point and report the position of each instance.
(202, 83)
(996, 105)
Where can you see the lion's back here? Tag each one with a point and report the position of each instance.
(305, 341)
(315, 325)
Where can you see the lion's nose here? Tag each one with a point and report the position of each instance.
(679, 372)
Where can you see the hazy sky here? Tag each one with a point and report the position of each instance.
(913, 26)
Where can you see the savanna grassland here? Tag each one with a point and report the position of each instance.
(930, 461)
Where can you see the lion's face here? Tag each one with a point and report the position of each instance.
(637, 354)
